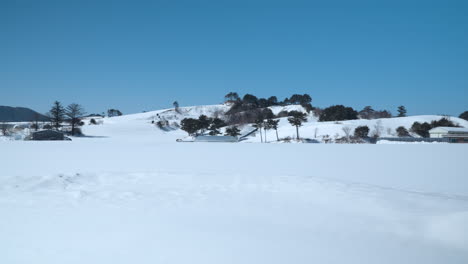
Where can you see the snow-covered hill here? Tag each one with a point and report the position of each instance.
(135, 124)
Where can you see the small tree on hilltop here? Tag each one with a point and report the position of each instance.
(361, 132)
(296, 120)
(464, 115)
(338, 113)
(231, 97)
(57, 114)
(113, 112)
(74, 112)
(176, 106)
(232, 131)
(273, 124)
(402, 131)
(272, 100)
(401, 111)
(367, 113)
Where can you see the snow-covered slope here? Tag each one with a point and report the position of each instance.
(135, 125)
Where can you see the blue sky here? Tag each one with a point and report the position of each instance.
(143, 55)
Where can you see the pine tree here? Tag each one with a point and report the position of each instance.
(464, 115)
(215, 125)
(401, 111)
(361, 132)
(296, 120)
(402, 132)
(57, 114)
(176, 106)
(231, 97)
(273, 124)
(232, 131)
(190, 125)
(259, 125)
(204, 122)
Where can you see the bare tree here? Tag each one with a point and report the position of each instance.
(377, 129)
(36, 122)
(74, 112)
(347, 131)
(4, 128)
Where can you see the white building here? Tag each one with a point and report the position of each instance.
(454, 134)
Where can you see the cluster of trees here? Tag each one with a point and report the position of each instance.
(252, 100)
(338, 113)
(113, 112)
(199, 126)
(249, 108)
(71, 114)
(422, 129)
(369, 113)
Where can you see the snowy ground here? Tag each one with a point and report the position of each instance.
(131, 194)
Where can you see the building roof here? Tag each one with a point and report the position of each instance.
(449, 130)
(49, 131)
(215, 139)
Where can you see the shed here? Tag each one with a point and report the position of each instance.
(216, 139)
(453, 134)
(47, 135)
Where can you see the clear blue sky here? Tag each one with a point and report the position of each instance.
(143, 55)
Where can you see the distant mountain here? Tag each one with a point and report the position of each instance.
(19, 114)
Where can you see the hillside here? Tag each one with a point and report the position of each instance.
(19, 114)
(135, 125)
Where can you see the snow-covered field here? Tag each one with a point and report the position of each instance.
(129, 193)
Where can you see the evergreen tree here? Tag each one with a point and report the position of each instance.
(402, 131)
(259, 124)
(205, 123)
(57, 114)
(464, 115)
(273, 124)
(74, 112)
(215, 125)
(249, 99)
(296, 120)
(272, 100)
(367, 113)
(113, 112)
(232, 131)
(190, 125)
(421, 129)
(338, 113)
(231, 97)
(361, 132)
(176, 106)
(401, 111)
